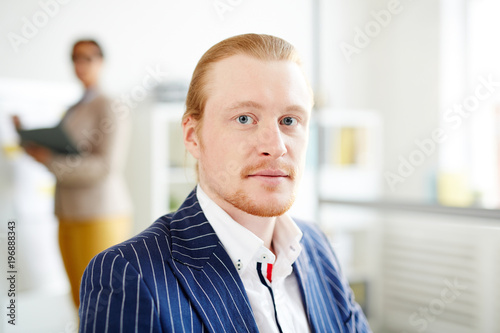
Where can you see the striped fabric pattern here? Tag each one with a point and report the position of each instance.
(176, 277)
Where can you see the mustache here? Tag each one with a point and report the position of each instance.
(289, 169)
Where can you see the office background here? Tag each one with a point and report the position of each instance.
(403, 162)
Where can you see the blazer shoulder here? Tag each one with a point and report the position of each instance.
(101, 100)
(316, 243)
(100, 106)
(311, 230)
(174, 236)
(151, 241)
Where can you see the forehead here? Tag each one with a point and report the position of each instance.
(242, 78)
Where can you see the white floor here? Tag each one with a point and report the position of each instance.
(43, 312)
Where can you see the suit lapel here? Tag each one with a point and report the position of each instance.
(323, 316)
(206, 273)
(307, 290)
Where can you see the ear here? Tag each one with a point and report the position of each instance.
(191, 140)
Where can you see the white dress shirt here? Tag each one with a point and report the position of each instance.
(245, 250)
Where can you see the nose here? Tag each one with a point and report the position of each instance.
(271, 142)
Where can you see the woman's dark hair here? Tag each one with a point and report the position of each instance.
(89, 41)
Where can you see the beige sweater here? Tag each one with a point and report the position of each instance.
(91, 185)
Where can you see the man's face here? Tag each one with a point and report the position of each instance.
(254, 133)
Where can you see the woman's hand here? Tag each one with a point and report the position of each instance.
(17, 122)
(39, 153)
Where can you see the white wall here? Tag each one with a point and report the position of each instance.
(396, 74)
(169, 34)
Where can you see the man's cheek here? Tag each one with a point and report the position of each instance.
(242, 145)
(233, 168)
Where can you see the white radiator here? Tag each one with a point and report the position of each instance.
(440, 274)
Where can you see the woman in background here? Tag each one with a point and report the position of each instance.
(91, 200)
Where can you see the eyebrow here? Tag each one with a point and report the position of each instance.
(244, 105)
(296, 108)
(255, 105)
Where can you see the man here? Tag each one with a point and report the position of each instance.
(231, 259)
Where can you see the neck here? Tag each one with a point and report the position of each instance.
(89, 86)
(262, 227)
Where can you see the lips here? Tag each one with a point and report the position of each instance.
(270, 178)
(269, 173)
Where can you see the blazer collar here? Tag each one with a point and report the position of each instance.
(206, 272)
(311, 276)
(193, 238)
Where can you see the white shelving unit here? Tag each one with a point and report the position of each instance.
(157, 146)
(349, 159)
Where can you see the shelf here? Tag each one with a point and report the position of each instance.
(419, 207)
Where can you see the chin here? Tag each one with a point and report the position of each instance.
(269, 210)
(263, 204)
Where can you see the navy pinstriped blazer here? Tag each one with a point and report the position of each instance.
(176, 277)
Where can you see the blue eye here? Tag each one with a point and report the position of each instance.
(289, 121)
(244, 119)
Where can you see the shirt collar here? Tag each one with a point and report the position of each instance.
(242, 245)
(286, 241)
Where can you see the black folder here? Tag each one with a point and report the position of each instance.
(54, 138)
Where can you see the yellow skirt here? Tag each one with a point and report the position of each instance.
(80, 241)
